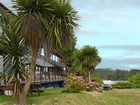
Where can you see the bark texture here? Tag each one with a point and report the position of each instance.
(20, 98)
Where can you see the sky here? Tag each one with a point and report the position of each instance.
(113, 26)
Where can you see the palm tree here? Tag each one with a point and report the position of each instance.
(85, 60)
(13, 48)
(47, 24)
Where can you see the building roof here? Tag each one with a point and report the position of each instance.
(57, 64)
(3, 8)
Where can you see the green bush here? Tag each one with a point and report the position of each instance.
(97, 79)
(122, 85)
(74, 84)
(135, 80)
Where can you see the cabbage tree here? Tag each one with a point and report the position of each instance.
(85, 61)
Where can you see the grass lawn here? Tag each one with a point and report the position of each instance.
(55, 97)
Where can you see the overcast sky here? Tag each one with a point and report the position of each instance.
(113, 26)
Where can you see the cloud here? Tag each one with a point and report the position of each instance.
(120, 56)
(115, 4)
(127, 63)
(121, 47)
(88, 32)
(108, 5)
(120, 51)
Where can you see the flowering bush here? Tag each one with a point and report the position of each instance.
(74, 84)
(93, 86)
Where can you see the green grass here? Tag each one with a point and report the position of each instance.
(56, 97)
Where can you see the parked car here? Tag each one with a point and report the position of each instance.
(107, 86)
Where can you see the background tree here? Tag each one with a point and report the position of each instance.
(85, 60)
(67, 54)
(135, 80)
(112, 74)
(97, 78)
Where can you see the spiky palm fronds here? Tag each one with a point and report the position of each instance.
(63, 23)
(77, 62)
(47, 24)
(86, 59)
(13, 47)
(32, 21)
(91, 57)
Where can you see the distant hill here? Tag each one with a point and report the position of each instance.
(110, 74)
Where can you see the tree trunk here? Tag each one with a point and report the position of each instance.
(19, 95)
(90, 76)
(21, 100)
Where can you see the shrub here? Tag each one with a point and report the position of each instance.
(135, 80)
(74, 84)
(122, 85)
(97, 79)
(93, 86)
